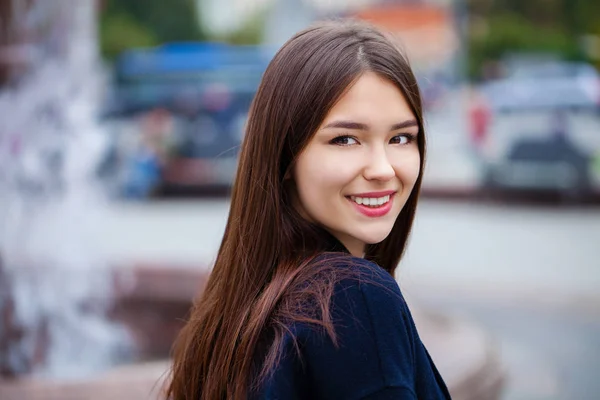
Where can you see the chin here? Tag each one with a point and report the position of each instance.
(373, 237)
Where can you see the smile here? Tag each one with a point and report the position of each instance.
(370, 201)
(373, 207)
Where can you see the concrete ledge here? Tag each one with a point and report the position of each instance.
(154, 300)
(140, 381)
(465, 355)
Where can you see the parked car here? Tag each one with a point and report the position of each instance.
(542, 133)
(206, 88)
(544, 164)
(558, 85)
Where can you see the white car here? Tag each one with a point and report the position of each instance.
(564, 85)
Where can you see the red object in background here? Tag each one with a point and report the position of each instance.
(480, 118)
(188, 172)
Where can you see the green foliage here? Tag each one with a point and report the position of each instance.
(532, 26)
(510, 33)
(122, 32)
(251, 32)
(135, 23)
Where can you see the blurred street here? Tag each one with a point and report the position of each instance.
(550, 353)
(528, 275)
(485, 249)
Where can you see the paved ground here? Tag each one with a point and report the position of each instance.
(484, 248)
(530, 275)
(550, 354)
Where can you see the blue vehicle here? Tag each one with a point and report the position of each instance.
(207, 88)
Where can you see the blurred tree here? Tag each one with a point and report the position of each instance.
(121, 32)
(508, 33)
(501, 27)
(133, 23)
(251, 31)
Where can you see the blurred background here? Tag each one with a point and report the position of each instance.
(120, 125)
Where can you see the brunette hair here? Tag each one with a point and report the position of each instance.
(265, 272)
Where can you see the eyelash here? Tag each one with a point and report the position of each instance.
(411, 138)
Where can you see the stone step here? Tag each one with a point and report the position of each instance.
(152, 297)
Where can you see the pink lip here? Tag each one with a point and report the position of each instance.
(374, 212)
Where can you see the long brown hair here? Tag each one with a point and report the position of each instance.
(263, 273)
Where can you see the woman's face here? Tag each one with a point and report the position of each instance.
(358, 170)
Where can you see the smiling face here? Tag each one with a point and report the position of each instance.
(358, 170)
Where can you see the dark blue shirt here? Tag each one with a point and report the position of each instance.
(379, 353)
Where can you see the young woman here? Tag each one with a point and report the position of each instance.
(301, 302)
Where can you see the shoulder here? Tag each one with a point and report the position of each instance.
(372, 295)
(363, 278)
(373, 348)
(362, 288)
(374, 339)
(344, 262)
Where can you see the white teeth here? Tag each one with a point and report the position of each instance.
(371, 201)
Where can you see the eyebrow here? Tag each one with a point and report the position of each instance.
(364, 127)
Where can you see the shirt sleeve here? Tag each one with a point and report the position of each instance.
(375, 353)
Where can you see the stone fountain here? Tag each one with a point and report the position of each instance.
(72, 326)
(55, 288)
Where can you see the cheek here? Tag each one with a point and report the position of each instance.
(305, 178)
(320, 174)
(306, 184)
(317, 180)
(408, 168)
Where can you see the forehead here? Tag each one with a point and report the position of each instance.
(372, 99)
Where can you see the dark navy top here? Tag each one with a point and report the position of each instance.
(379, 353)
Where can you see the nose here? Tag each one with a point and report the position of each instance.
(379, 167)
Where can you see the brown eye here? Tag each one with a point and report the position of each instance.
(402, 139)
(344, 141)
